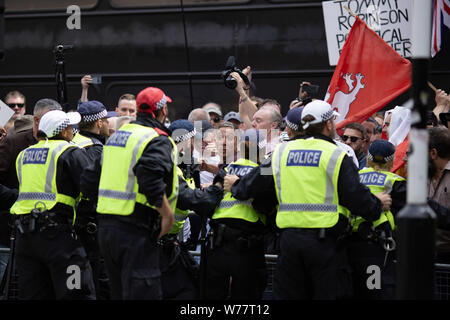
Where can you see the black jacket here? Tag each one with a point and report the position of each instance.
(94, 152)
(70, 166)
(93, 168)
(352, 194)
(153, 170)
(7, 197)
(202, 201)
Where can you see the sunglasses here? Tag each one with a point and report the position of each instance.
(216, 120)
(352, 139)
(12, 105)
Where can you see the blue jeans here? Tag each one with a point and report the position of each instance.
(3, 261)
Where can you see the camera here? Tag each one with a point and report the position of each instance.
(60, 48)
(96, 79)
(445, 118)
(307, 93)
(311, 90)
(432, 120)
(230, 67)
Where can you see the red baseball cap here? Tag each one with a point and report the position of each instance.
(151, 99)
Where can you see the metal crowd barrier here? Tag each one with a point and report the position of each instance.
(441, 279)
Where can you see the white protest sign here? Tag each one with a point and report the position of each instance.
(5, 113)
(390, 19)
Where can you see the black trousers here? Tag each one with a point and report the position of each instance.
(235, 273)
(363, 254)
(132, 260)
(310, 268)
(45, 263)
(179, 281)
(99, 272)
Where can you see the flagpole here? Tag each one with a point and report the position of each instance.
(432, 86)
(350, 11)
(416, 221)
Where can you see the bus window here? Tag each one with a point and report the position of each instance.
(164, 3)
(46, 5)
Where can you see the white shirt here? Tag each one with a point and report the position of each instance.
(205, 176)
(349, 150)
(270, 145)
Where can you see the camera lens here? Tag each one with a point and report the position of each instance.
(230, 82)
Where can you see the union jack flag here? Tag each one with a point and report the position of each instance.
(441, 18)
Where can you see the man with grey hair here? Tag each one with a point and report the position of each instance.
(198, 114)
(10, 147)
(269, 119)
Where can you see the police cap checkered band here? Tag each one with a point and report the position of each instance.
(320, 110)
(293, 118)
(327, 115)
(182, 130)
(60, 127)
(151, 99)
(291, 125)
(92, 111)
(55, 121)
(161, 102)
(380, 159)
(184, 137)
(381, 151)
(94, 117)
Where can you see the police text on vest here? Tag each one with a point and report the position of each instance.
(307, 158)
(372, 178)
(239, 170)
(119, 139)
(35, 156)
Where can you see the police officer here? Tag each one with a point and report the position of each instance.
(238, 235)
(179, 269)
(293, 123)
(373, 243)
(47, 249)
(314, 185)
(93, 130)
(137, 195)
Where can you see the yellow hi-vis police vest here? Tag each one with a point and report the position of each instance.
(377, 181)
(82, 141)
(181, 215)
(230, 207)
(118, 188)
(36, 171)
(306, 175)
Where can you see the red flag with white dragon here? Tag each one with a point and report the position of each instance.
(369, 74)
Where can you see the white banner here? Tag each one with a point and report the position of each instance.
(5, 113)
(390, 19)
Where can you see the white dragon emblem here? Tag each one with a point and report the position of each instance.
(342, 100)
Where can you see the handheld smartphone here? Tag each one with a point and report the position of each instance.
(96, 79)
(311, 90)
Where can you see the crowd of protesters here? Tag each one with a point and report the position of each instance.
(214, 151)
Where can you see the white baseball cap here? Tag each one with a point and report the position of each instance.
(55, 121)
(320, 110)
